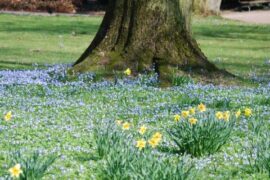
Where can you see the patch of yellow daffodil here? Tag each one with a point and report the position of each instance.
(142, 129)
(185, 114)
(226, 115)
(126, 126)
(141, 144)
(8, 116)
(193, 121)
(127, 72)
(202, 107)
(219, 115)
(248, 112)
(157, 135)
(155, 139)
(15, 171)
(177, 118)
(153, 142)
(223, 115)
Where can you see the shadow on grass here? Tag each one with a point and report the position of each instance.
(234, 31)
(50, 25)
(56, 29)
(16, 65)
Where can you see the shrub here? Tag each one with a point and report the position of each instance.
(4, 4)
(78, 3)
(65, 6)
(203, 133)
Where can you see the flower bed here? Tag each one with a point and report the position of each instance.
(63, 6)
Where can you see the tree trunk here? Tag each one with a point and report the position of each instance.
(207, 7)
(143, 35)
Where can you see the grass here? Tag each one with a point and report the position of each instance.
(54, 116)
(44, 40)
(241, 48)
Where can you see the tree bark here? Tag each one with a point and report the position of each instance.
(143, 35)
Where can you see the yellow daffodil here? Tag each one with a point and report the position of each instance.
(177, 117)
(193, 121)
(127, 72)
(226, 116)
(248, 112)
(15, 171)
(141, 144)
(185, 114)
(126, 126)
(157, 135)
(119, 122)
(238, 113)
(153, 142)
(142, 129)
(8, 116)
(202, 107)
(192, 111)
(219, 115)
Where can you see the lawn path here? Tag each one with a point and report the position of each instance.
(257, 17)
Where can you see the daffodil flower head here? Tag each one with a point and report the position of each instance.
(202, 107)
(153, 142)
(193, 121)
(157, 135)
(141, 144)
(219, 115)
(185, 114)
(126, 126)
(142, 129)
(248, 112)
(8, 116)
(15, 171)
(127, 72)
(177, 117)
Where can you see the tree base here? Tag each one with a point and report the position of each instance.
(144, 36)
(108, 67)
(113, 62)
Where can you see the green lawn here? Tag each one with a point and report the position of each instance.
(44, 40)
(240, 48)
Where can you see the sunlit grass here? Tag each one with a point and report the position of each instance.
(44, 40)
(240, 48)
